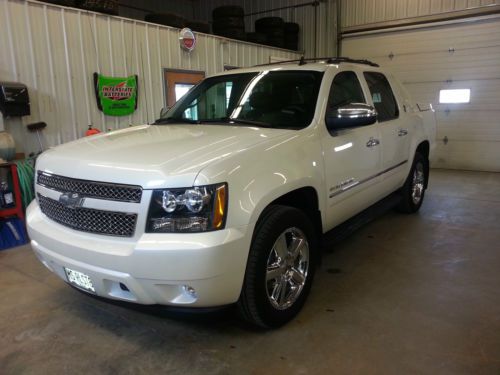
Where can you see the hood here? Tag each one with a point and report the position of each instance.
(151, 155)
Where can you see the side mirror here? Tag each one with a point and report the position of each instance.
(351, 116)
(164, 111)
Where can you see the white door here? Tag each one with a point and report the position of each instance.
(352, 158)
(394, 130)
(431, 58)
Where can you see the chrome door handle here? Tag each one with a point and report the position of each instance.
(402, 132)
(372, 142)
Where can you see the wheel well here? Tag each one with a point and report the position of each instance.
(306, 200)
(423, 148)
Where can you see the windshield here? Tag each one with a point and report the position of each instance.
(275, 99)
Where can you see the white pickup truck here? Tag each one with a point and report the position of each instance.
(225, 199)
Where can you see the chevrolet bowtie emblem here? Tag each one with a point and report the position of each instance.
(71, 200)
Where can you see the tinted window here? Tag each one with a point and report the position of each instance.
(382, 96)
(280, 99)
(346, 89)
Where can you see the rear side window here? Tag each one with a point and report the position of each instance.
(345, 89)
(382, 96)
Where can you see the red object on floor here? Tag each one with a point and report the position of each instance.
(17, 210)
(92, 131)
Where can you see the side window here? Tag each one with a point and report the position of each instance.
(382, 96)
(345, 89)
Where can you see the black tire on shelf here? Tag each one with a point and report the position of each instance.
(266, 23)
(227, 11)
(258, 38)
(294, 45)
(201, 27)
(167, 19)
(291, 28)
(276, 33)
(413, 191)
(231, 33)
(229, 22)
(276, 42)
(279, 230)
(102, 6)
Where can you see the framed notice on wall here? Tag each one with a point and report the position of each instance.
(116, 96)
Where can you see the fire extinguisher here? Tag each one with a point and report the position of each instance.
(92, 131)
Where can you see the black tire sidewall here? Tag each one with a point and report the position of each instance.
(407, 204)
(266, 234)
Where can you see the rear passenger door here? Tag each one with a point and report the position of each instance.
(393, 130)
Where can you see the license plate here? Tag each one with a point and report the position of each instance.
(80, 280)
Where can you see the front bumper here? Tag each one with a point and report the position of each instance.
(156, 268)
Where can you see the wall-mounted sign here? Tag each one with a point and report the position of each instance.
(187, 39)
(116, 96)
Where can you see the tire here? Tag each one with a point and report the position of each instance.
(229, 22)
(231, 33)
(262, 302)
(227, 11)
(293, 45)
(201, 27)
(291, 28)
(258, 38)
(103, 6)
(67, 3)
(167, 19)
(413, 191)
(262, 25)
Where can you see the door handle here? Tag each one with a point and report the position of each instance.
(402, 132)
(372, 142)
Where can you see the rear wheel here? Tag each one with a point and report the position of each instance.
(413, 191)
(280, 268)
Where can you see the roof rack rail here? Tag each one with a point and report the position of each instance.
(328, 60)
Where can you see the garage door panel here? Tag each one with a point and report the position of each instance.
(422, 61)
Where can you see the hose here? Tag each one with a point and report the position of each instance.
(26, 173)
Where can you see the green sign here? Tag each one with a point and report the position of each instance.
(116, 96)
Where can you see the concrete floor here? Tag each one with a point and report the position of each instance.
(404, 295)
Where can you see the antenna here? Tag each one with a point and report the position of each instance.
(145, 91)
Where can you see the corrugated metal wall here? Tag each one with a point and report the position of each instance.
(362, 12)
(55, 51)
(318, 24)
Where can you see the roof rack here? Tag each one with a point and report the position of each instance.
(328, 60)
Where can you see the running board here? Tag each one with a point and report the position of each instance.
(348, 227)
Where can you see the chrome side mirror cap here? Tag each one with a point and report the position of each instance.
(351, 116)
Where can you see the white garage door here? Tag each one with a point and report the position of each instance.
(455, 56)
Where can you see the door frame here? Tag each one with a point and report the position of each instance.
(170, 70)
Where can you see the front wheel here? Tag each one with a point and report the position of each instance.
(280, 268)
(413, 191)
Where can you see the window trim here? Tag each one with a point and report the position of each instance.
(398, 115)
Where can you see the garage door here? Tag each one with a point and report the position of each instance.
(459, 56)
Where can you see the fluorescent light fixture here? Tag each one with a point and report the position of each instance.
(454, 96)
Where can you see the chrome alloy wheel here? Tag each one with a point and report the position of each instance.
(287, 267)
(418, 182)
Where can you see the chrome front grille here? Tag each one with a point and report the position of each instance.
(89, 220)
(90, 189)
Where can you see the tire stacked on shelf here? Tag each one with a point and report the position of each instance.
(102, 6)
(167, 19)
(67, 3)
(228, 21)
(201, 27)
(292, 36)
(274, 30)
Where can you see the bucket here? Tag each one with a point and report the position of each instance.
(7, 146)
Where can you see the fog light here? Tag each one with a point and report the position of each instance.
(190, 291)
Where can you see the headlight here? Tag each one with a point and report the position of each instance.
(194, 209)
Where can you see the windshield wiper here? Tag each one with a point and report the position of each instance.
(175, 120)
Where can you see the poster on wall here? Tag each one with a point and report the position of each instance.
(116, 96)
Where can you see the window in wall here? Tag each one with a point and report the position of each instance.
(454, 96)
(382, 96)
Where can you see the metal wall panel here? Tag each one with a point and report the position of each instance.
(452, 56)
(55, 50)
(363, 12)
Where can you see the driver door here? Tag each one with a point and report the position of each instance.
(352, 156)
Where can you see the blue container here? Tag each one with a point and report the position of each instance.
(12, 233)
